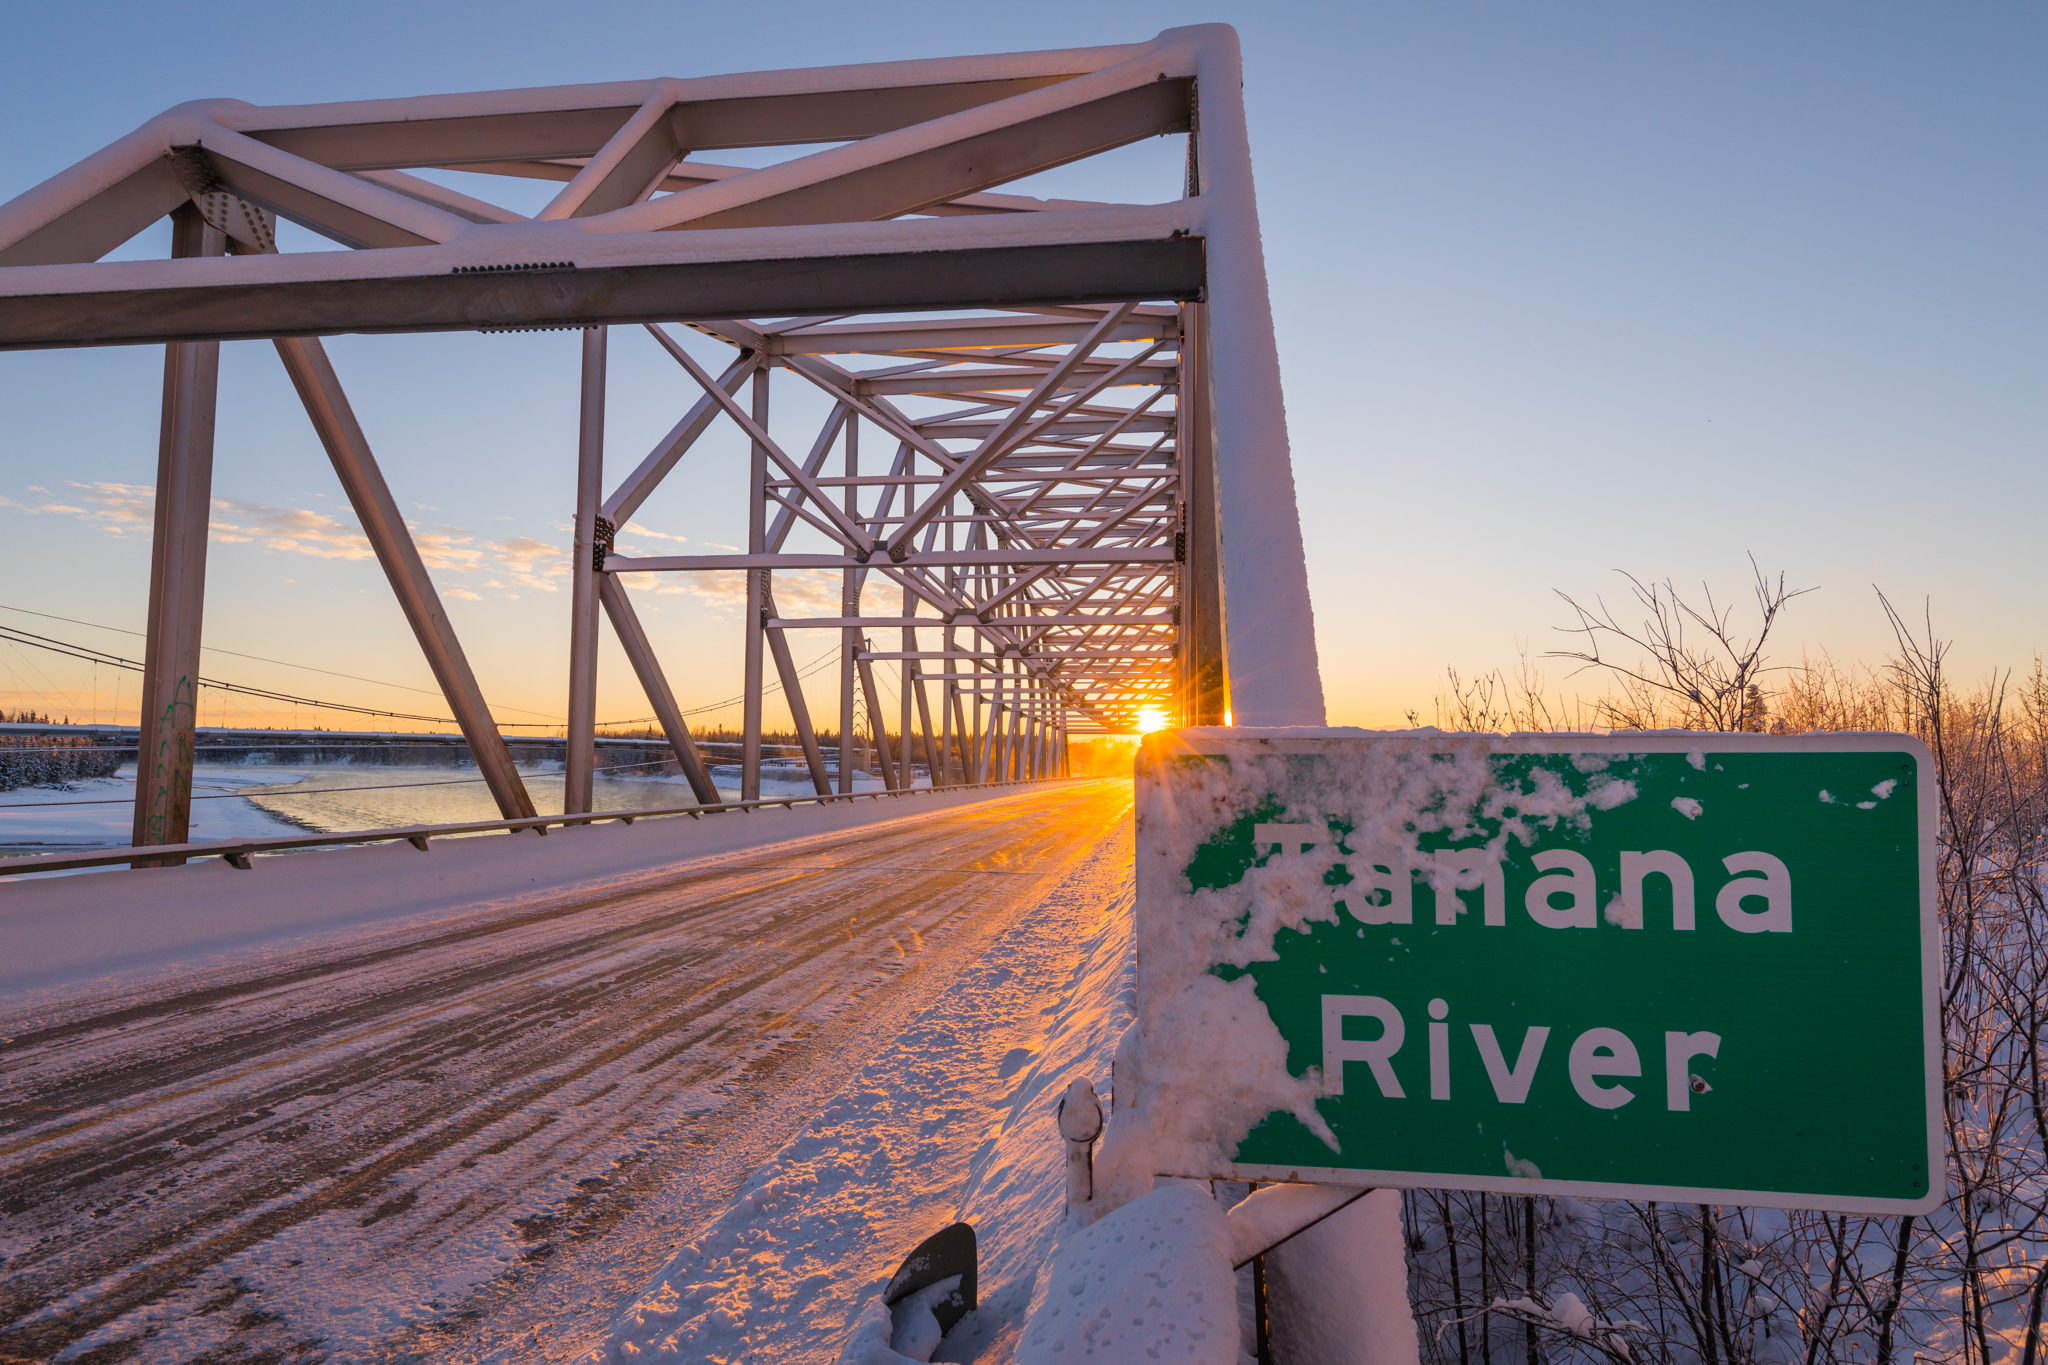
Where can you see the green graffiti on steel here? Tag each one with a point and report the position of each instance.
(1777, 1044)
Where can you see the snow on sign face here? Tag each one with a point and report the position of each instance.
(1634, 966)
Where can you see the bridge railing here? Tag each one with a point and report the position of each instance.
(238, 852)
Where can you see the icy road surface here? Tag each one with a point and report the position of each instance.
(481, 1137)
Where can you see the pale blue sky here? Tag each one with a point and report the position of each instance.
(1561, 289)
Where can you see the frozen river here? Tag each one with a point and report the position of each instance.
(243, 800)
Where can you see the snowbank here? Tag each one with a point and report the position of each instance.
(952, 1122)
(1151, 1281)
(61, 931)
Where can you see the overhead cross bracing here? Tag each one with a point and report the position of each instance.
(1037, 560)
(1082, 505)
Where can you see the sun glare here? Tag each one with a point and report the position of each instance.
(1152, 718)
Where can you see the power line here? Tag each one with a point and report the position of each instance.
(97, 656)
(282, 663)
(770, 690)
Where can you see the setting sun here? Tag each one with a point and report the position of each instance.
(1152, 718)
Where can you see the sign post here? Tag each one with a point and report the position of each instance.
(1674, 966)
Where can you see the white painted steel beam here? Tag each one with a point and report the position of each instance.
(168, 714)
(1090, 465)
(580, 741)
(124, 307)
(935, 559)
(966, 621)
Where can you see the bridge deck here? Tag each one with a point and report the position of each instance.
(447, 1137)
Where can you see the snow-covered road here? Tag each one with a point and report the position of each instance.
(485, 1134)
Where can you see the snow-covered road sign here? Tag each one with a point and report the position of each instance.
(1692, 967)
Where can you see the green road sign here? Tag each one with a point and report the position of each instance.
(1696, 967)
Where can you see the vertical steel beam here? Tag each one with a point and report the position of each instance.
(849, 607)
(949, 690)
(973, 755)
(998, 713)
(1205, 682)
(934, 760)
(639, 653)
(1011, 729)
(1018, 719)
(978, 760)
(757, 598)
(581, 746)
(177, 572)
(949, 702)
(849, 645)
(1023, 744)
(305, 359)
(960, 728)
(909, 672)
(1002, 724)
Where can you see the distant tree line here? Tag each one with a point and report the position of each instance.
(54, 760)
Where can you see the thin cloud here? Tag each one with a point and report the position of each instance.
(449, 547)
(291, 530)
(532, 563)
(119, 509)
(122, 509)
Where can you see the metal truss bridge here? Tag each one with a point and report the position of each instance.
(1055, 444)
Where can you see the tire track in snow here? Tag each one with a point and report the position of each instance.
(396, 1108)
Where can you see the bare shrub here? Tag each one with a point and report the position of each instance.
(1507, 1280)
(1495, 702)
(1696, 669)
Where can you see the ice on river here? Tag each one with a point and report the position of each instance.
(253, 801)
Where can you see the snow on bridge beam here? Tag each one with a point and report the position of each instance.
(914, 559)
(964, 621)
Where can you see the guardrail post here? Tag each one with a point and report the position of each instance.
(1080, 1119)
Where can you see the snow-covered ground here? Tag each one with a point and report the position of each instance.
(953, 1121)
(497, 1100)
